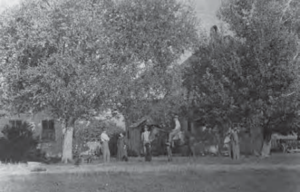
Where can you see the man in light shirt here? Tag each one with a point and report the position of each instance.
(105, 147)
(235, 143)
(175, 131)
(145, 138)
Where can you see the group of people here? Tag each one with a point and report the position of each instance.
(121, 147)
(146, 140)
(234, 150)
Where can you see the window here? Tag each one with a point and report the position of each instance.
(48, 130)
(16, 123)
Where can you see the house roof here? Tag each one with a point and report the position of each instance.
(292, 136)
(148, 120)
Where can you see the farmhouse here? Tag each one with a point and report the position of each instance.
(46, 128)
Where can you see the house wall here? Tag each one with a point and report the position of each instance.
(183, 124)
(53, 148)
(194, 126)
(134, 139)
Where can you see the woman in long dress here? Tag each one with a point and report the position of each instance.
(122, 149)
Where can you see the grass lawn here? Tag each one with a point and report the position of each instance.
(192, 177)
(188, 181)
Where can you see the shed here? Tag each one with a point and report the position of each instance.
(134, 135)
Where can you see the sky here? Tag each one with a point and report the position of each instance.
(206, 11)
(7, 3)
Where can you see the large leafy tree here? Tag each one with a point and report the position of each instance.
(73, 58)
(270, 30)
(50, 66)
(247, 78)
(153, 34)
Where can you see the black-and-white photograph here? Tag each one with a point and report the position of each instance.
(149, 95)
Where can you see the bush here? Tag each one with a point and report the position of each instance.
(132, 153)
(185, 150)
(18, 143)
(37, 155)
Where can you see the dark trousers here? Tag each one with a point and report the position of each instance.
(148, 155)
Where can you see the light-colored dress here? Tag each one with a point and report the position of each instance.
(105, 147)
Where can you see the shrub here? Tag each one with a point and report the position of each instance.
(18, 143)
(37, 155)
(185, 150)
(132, 153)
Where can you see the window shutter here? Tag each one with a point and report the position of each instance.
(51, 125)
(44, 124)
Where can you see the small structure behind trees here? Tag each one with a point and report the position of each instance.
(134, 135)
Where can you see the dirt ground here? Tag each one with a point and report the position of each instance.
(210, 174)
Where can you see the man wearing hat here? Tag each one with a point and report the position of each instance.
(145, 137)
(105, 147)
(175, 131)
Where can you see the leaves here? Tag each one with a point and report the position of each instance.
(245, 77)
(74, 57)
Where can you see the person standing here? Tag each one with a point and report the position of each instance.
(230, 146)
(145, 138)
(175, 131)
(235, 144)
(122, 148)
(105, 147)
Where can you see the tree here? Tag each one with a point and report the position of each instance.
(244, 79)
(272, 48)
(52, 67)
(153, 34)
(77, 57)
(161, 104)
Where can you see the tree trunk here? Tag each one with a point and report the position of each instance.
(67, 155)
(67, 152)
(266, 149)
